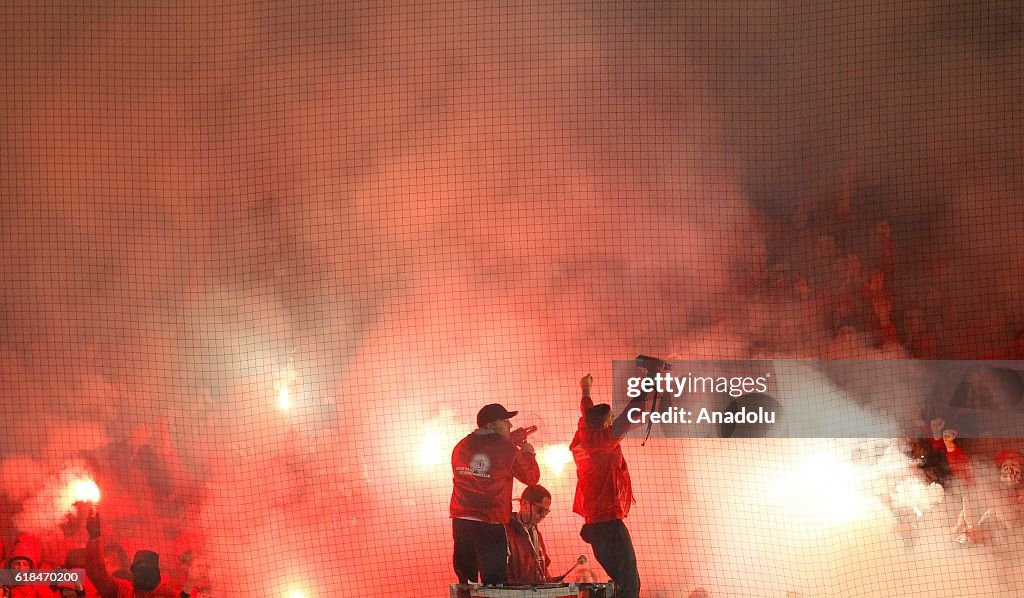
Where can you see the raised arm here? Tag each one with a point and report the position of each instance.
(586, 402)
(621, 426)
(525, 467)
(95, 566)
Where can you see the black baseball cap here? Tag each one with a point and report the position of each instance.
(492, 413)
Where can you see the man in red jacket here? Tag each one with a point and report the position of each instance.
(484, 465)
(528, 559)
(604, 492)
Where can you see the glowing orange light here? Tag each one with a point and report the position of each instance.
(913, 493)
(282, 384)
(295, 594)
(432, 449)
(825, 490)
(556, 457)
(85, 490)
(439, 435)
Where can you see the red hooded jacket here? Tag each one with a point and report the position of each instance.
(30, 548)
(484, 464)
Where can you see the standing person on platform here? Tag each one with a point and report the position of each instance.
(484, 464)
(528, 559)
(604, 492)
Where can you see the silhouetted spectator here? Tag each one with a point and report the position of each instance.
(145, 569)
(117, 561)
(75, 559)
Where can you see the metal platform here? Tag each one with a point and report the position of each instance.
(549, 590)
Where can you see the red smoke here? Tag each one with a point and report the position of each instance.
(403, 212)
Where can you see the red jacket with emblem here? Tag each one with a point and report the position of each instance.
(484, 465)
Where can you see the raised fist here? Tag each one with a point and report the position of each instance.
(585, 383)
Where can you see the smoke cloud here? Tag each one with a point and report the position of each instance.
(401, 212)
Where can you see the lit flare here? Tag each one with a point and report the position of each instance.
(556, 457)
(85, 490)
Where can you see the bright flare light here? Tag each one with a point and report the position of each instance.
(823, 488)
(556, 457)
(432, 449)
(84, 490)
(295, 594)
(440, 435)
(913, 493)
(282, 384)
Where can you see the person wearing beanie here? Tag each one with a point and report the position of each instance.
(484, 464)
(145, 569)
(26, 555)
(604, 491)
(528, 559)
